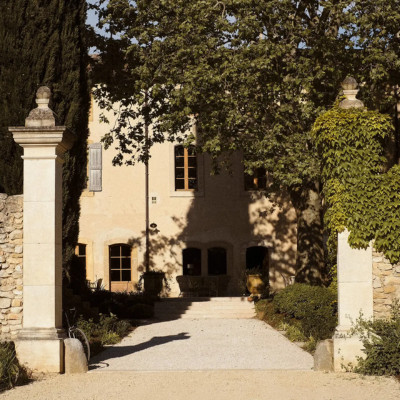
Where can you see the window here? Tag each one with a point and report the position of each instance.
(95, 162)
(80, 252)
(120, 263)
(191, 260)
(216, 261)
(185, 168)
(257, 180)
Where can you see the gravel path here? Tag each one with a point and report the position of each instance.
(209, 385)
(206, 360)
(203, 344)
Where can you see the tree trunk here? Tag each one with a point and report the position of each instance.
(310, 265)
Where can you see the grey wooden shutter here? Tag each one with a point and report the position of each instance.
(95, 167)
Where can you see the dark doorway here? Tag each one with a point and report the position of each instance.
(257, 257)
(191, 260)
(217, 261)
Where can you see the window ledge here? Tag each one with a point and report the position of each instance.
(186, 193)
(87, 193)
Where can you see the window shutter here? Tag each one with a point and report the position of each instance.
(95, 167)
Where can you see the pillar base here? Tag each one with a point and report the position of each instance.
(41, 350)
(346, 350)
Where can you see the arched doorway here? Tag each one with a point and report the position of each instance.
(217, 261)
(257, 257)
(191, 261)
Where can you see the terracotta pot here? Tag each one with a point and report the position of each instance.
(255, 284)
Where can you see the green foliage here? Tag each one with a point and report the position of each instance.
(313, 307)
(381, 340)
(44, 43)
(252, 76)
(10, 370)
(359, 195)
(108, 330)
(128, 305)
(293, 333)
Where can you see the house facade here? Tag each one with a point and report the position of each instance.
(200, 224)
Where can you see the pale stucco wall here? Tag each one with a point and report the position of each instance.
(221, 212)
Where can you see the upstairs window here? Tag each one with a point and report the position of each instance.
(120, 263)
(95, 167)
(257, 180)
(185, 168)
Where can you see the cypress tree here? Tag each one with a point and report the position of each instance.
(43, 43)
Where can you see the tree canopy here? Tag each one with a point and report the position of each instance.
(44, 43)
(253, 75)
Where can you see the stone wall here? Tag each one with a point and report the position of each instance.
(11, 216)
(386, 284)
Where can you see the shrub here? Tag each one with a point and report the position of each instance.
(314, 307)
(108, 330)
(125, 305)
(10, 370)
(381, 340)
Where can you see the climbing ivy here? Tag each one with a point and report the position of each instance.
(359, 194)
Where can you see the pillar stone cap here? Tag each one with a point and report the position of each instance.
(42, 116)
(349, 86)
(40, 127)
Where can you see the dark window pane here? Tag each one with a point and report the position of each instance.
(248, 182)
(262, 182)
(192, 162)
(192, 172)
(126, 263)
(126, 275)
(179, 184)
(115, 275)
(191, 151)
(126, 251)
(179, 173)
(179, 162)
(115, 251)
(179, 151)
(192, 184)
(115, 263)
(81, 249)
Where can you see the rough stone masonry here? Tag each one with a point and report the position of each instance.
(11, 253)
(386, 283)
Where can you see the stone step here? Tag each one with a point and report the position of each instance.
(217, 307)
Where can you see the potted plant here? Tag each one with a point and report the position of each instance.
(153, 282)
(256, 282)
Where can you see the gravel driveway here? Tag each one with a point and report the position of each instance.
(203, 344)
(202, 360)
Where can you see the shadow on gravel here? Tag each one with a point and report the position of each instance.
(100, 361)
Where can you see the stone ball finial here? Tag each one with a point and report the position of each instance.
(349, 83)
(43, 93)
(349, 86)
(41, 116)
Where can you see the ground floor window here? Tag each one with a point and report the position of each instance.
(120, 262)
(191, 261)
(80, 252)
(217, 261)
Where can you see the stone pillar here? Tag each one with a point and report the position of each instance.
(39, 344)
(355, 295)
(354, 271)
